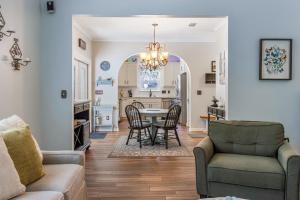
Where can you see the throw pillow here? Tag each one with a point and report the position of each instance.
(15, 121)
(10, 184)
(22, 150)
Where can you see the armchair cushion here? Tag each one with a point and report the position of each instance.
(247, 137)
(64, 178)
(246, 170)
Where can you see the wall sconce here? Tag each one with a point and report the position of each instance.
(16, 55)
(2, 24)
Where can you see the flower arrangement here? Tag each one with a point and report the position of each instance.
(274, 60)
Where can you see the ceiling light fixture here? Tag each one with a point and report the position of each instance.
(155, 57)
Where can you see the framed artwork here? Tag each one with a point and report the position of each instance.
(213, 66)
(275, 59)
(222, 68)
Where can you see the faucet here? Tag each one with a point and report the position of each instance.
(150, 93)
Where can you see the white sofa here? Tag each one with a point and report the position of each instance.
(64, 178)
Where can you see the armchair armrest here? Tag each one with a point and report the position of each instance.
(63, 157)
(203, 152)
(290, 161)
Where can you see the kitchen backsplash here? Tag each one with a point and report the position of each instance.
(169, 92)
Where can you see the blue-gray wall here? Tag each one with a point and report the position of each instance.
(249, 21)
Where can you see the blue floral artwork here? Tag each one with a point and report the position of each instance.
(149, 79)
(274, 60)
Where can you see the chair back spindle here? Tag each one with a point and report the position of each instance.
(133, 116)
(173, 116)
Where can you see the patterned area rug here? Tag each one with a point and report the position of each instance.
(120, 149)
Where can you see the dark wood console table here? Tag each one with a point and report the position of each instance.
(217, 112)
(82, 125)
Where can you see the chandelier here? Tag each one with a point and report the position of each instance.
(155, 57)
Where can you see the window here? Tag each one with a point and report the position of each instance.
(149, 79)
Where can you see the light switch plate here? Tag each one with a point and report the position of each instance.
(63, 94)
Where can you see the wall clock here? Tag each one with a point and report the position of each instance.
(105, 65)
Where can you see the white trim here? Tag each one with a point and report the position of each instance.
(196, 129)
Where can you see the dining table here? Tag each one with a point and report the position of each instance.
(153, 114)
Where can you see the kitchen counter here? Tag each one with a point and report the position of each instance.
(147, 98)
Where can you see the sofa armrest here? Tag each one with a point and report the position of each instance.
(63, 157)
(290, 161)
(203, 152)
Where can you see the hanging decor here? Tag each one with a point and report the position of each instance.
(7, 33)
(16, 55)
(155, 57)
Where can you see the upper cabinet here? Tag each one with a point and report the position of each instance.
(128, 75)
(171, 72)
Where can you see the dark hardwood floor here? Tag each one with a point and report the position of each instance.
(159, 178)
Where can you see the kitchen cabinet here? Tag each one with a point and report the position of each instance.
(128, 75)
(171, 71)
(147, 102)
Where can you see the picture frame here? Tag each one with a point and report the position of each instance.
(275, 59)
(213, 66)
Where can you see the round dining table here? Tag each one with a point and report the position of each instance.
(153, 113)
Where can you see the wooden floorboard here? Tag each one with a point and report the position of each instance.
(150, 178)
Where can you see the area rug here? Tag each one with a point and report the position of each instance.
(120, 149)
(197, 135)
(98, 135)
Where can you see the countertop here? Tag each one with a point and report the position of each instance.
(147, 98)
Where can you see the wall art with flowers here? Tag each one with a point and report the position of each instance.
(275, 59)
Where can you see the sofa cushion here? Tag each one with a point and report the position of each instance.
(45, 195)
(65, 178)
(23, 151)
(15, 121)
(246, 170)
(247, 137)
(10, 184)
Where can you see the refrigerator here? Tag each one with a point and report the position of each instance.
(181, 96)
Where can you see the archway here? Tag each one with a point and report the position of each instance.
(132, 84)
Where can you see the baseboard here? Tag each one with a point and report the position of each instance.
(196, 129)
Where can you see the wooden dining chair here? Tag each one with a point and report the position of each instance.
(169, 124)
(138, 105)
(136, 124)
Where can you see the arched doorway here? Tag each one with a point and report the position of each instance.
(171, 83)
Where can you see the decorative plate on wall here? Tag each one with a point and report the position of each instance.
(105, 65)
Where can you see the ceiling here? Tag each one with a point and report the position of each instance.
(139, 29)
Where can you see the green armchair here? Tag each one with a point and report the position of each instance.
(249, 160)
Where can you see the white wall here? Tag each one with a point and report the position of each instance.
(196, 55)
(19, 90)
(248, 98)
(222, 47)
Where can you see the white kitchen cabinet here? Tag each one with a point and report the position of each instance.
(147, 102)
(128, 75)
(123, 76)
(132, 75)
(171, 71)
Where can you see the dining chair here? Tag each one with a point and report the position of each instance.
(136, 123)
(138, 105)
(169, 124)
